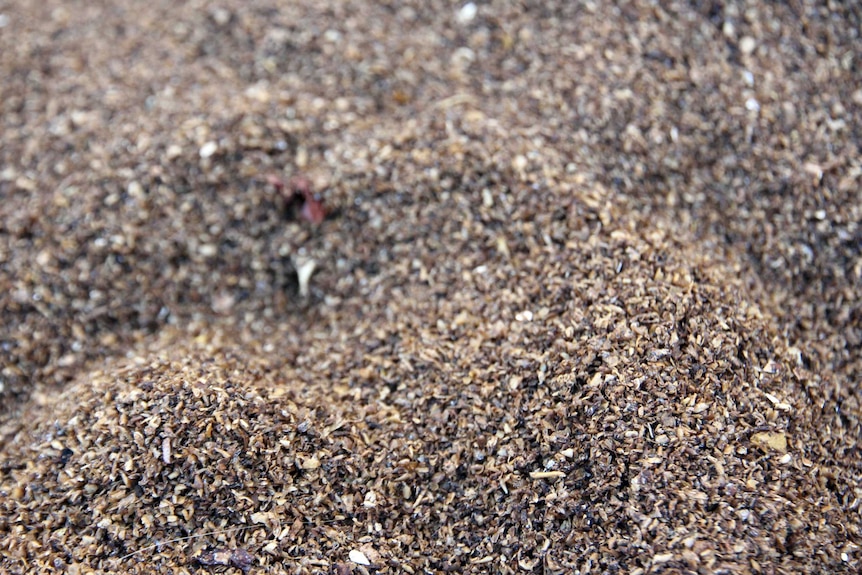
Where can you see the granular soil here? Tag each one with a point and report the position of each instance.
(585, 298)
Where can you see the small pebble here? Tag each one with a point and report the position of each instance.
(220, 16)
(208, 250)
(747, 45)
(208, 149)
(467, 13)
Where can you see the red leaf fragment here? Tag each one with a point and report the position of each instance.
(313, 210)
(298, 190)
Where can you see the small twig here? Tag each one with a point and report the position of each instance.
(186, 538)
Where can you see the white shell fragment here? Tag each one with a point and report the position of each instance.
(304, 268)
(525, 315)
(166, 450)
(370, 500)
(358, 557)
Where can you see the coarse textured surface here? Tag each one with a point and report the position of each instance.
(587, 298)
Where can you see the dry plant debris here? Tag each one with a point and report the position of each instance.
(587, 291)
